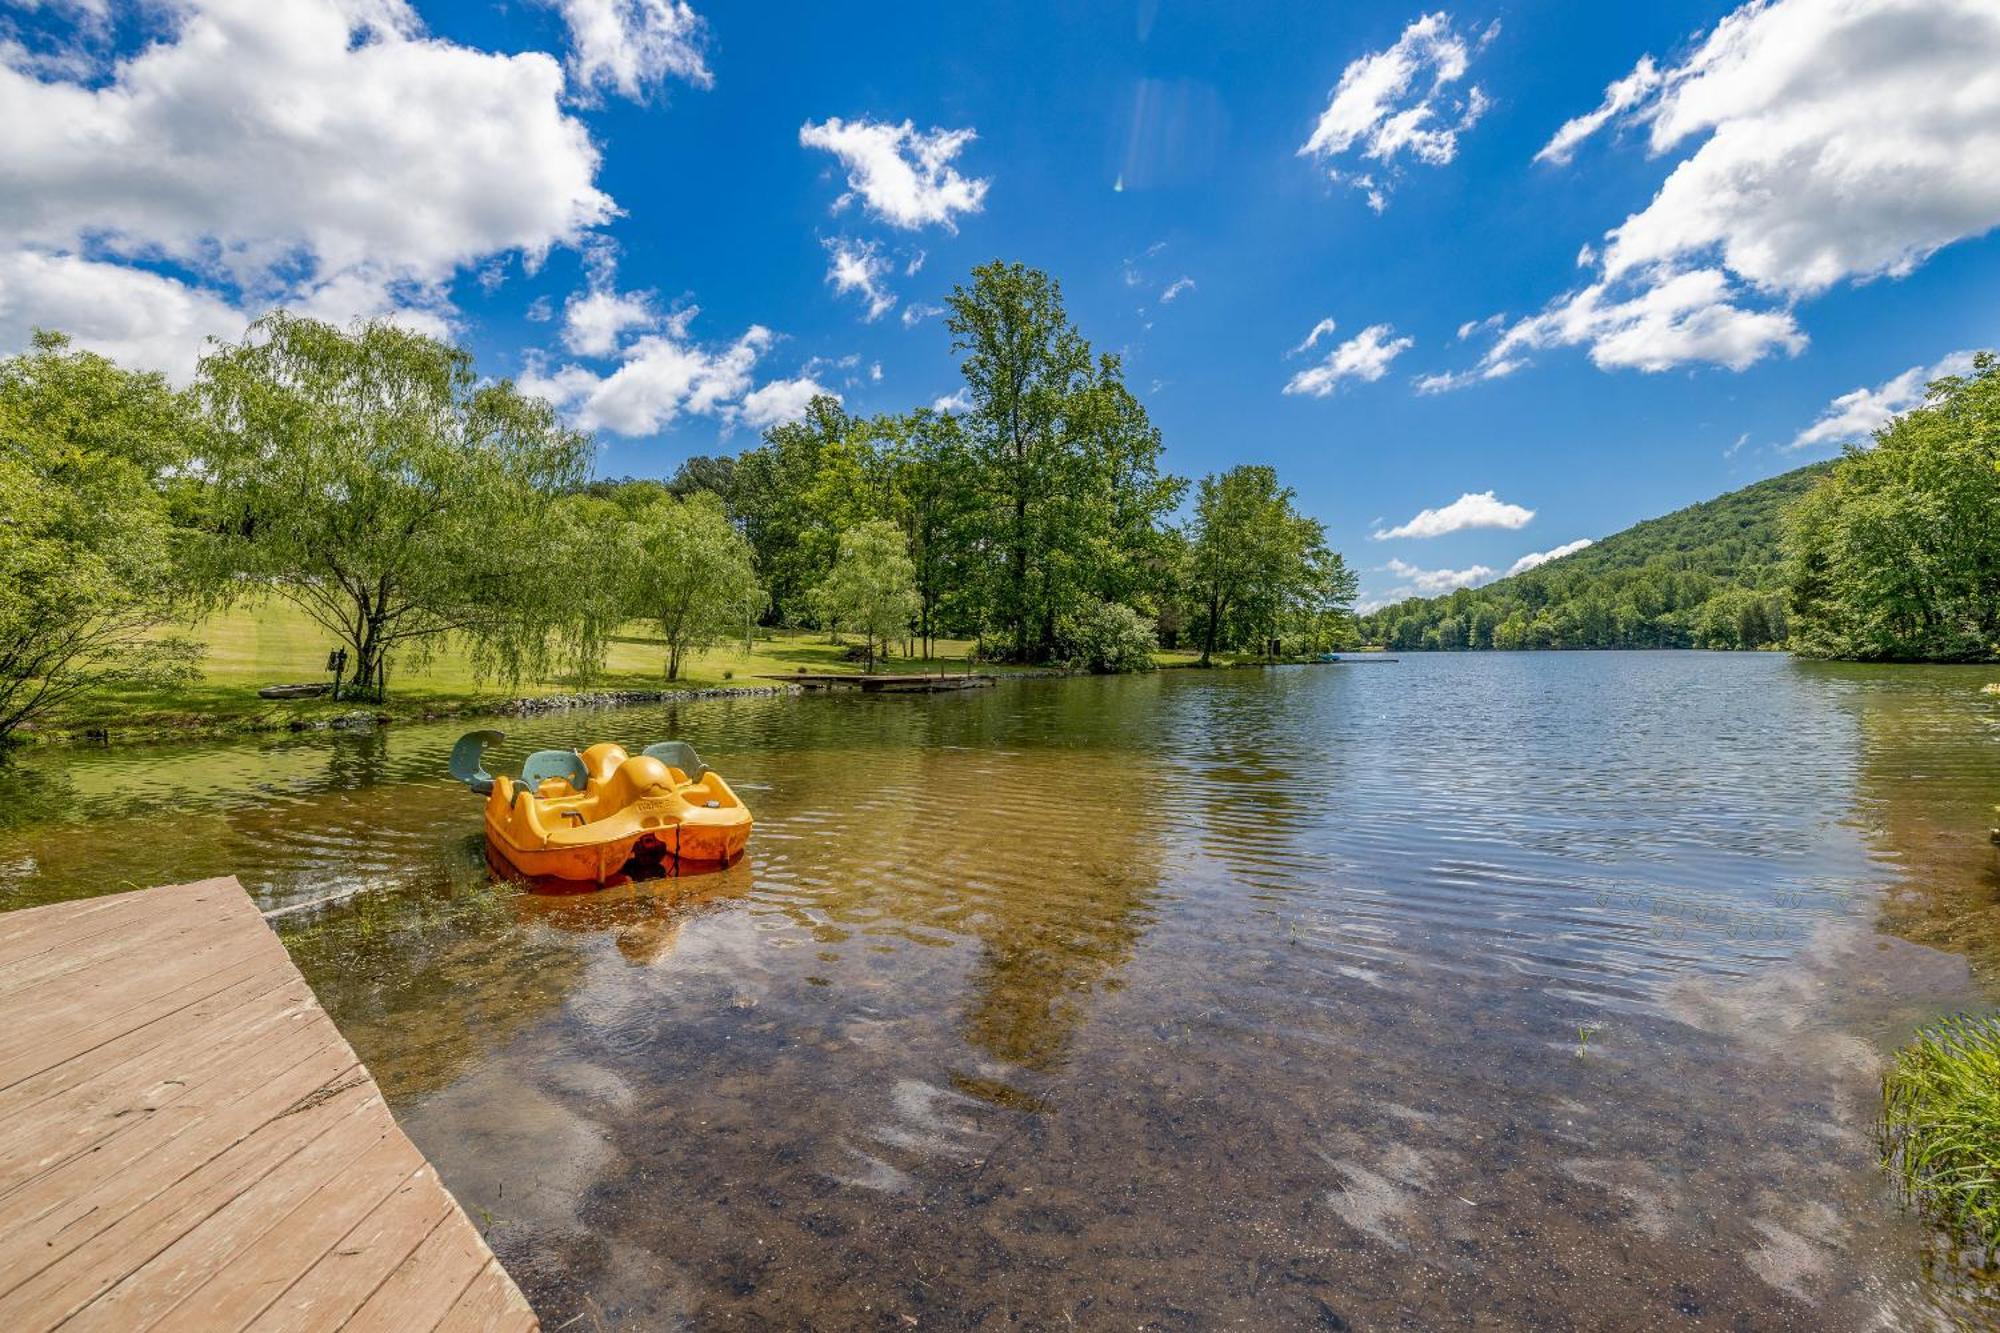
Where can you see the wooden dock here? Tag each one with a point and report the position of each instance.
(883, 684)
(187, 1142)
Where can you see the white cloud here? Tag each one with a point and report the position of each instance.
(958, 400)
(1487, 325)
(631, 47)
(1834, 141)
(314, 154)
(1673, 319)
(1470, 510)
(916, 265)
(917, 313)
(1536, 559)
(1175, 288)
(138, 319)
(1619, 98)
(1857, 415)
(902, 175)
(1365, 356)
(781, 401)
(1400, 102)
(1445, 381)
(1430, 582)
(856, 266)
(661, 377)
(1319, 330)
(596, 321)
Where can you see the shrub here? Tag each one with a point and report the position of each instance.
(1107, 637)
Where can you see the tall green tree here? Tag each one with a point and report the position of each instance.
(872, 588)
(795, 494)
(690, 573)
(1067, 464)
(1896, 553)
(369, 477)
(1252, 558)
(88, 568)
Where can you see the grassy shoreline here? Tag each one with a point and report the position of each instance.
(271, 643)
(249, 648)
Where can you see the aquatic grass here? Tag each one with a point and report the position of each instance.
(1941, 1124)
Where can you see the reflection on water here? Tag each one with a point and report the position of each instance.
(1516, 990)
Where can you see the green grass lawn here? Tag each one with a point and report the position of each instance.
(273, 643)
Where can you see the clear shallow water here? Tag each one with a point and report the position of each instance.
(1538, 990)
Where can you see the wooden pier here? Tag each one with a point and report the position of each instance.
(885, 684)
(187, 1142)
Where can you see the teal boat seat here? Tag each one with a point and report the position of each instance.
(465, 759)
(678, 754)
(545, 764)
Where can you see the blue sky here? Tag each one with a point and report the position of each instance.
(1807, 192)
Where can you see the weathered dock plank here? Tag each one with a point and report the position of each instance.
(187, 1141)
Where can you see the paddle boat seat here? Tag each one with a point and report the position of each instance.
(542, 765)
(678, 754)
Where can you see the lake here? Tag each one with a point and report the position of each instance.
(1522, 990)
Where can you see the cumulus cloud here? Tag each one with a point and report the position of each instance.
(1536, 559)
(137, 318)
(958, 400)
(1430, 582)
(631, 47)
(1857, 415)
(1175, 288)
(1671, 319)
(313, 154)
(858, 267)
(1401, 103)
(596, 321)
(1365, 357)
(918, 312)
(780, 401)
(661, 377)
(1832, 141)
(902, 175)
(1470, 510)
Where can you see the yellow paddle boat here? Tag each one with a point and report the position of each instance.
(603, 816)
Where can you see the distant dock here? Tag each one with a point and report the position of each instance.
(187, 1141)
(913, 684)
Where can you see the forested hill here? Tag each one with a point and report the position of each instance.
(1708, 576)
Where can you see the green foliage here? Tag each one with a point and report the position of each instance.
(87, 565)
(1711, 575)
(369, 477)
(688, 570)
(1065, 461)
(1107, 637)
(1941, 1124)
(871, 589)
(1255, 565)
(1897, 551)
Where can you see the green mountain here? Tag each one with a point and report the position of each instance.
(1708, 576)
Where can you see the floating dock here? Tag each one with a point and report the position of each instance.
(852, 680)
(187, 1141)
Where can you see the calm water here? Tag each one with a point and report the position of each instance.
(1502, 991)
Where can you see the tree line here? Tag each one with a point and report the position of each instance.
(372, 478)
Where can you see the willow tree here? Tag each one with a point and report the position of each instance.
(368, 476)
(88, 570)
